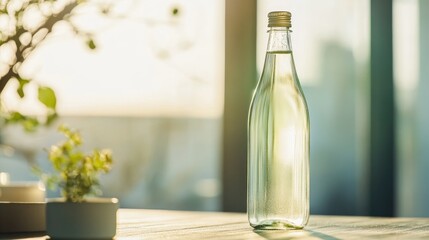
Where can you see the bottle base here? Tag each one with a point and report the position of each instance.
(275, 225)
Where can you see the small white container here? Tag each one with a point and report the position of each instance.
(22, 192)
(95, 218)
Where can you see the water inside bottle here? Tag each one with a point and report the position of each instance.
(278, 184)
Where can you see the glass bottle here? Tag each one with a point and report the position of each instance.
(278, 138)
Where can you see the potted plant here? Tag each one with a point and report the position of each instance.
(77, 175)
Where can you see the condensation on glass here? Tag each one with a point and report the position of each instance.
(278, 138)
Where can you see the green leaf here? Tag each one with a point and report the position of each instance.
(51, 118)
(175, 11)
(91, 44)
(20, 92)
(47, 96)
(30, 124)
(15, 117)
(22, 83)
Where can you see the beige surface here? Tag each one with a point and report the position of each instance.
(159, 224)
(151, 224)
(22, 192)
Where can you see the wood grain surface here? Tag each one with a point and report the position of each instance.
(156, 224)
(163, 224)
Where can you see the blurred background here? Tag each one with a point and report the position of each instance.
(169, 94)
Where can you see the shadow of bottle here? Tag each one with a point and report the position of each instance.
(293, 234)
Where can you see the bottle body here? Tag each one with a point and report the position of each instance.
(278, 143)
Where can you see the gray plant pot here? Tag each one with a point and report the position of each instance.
(94, 218)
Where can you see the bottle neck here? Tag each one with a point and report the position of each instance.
(279, 39)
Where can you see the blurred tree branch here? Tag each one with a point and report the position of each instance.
(18, 35)
(21, 35)
(22, 50)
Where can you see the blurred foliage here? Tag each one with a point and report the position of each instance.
(22, 35)
(77, 173)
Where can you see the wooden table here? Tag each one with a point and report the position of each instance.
(162, 224)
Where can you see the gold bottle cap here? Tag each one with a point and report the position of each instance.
(279, 19)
